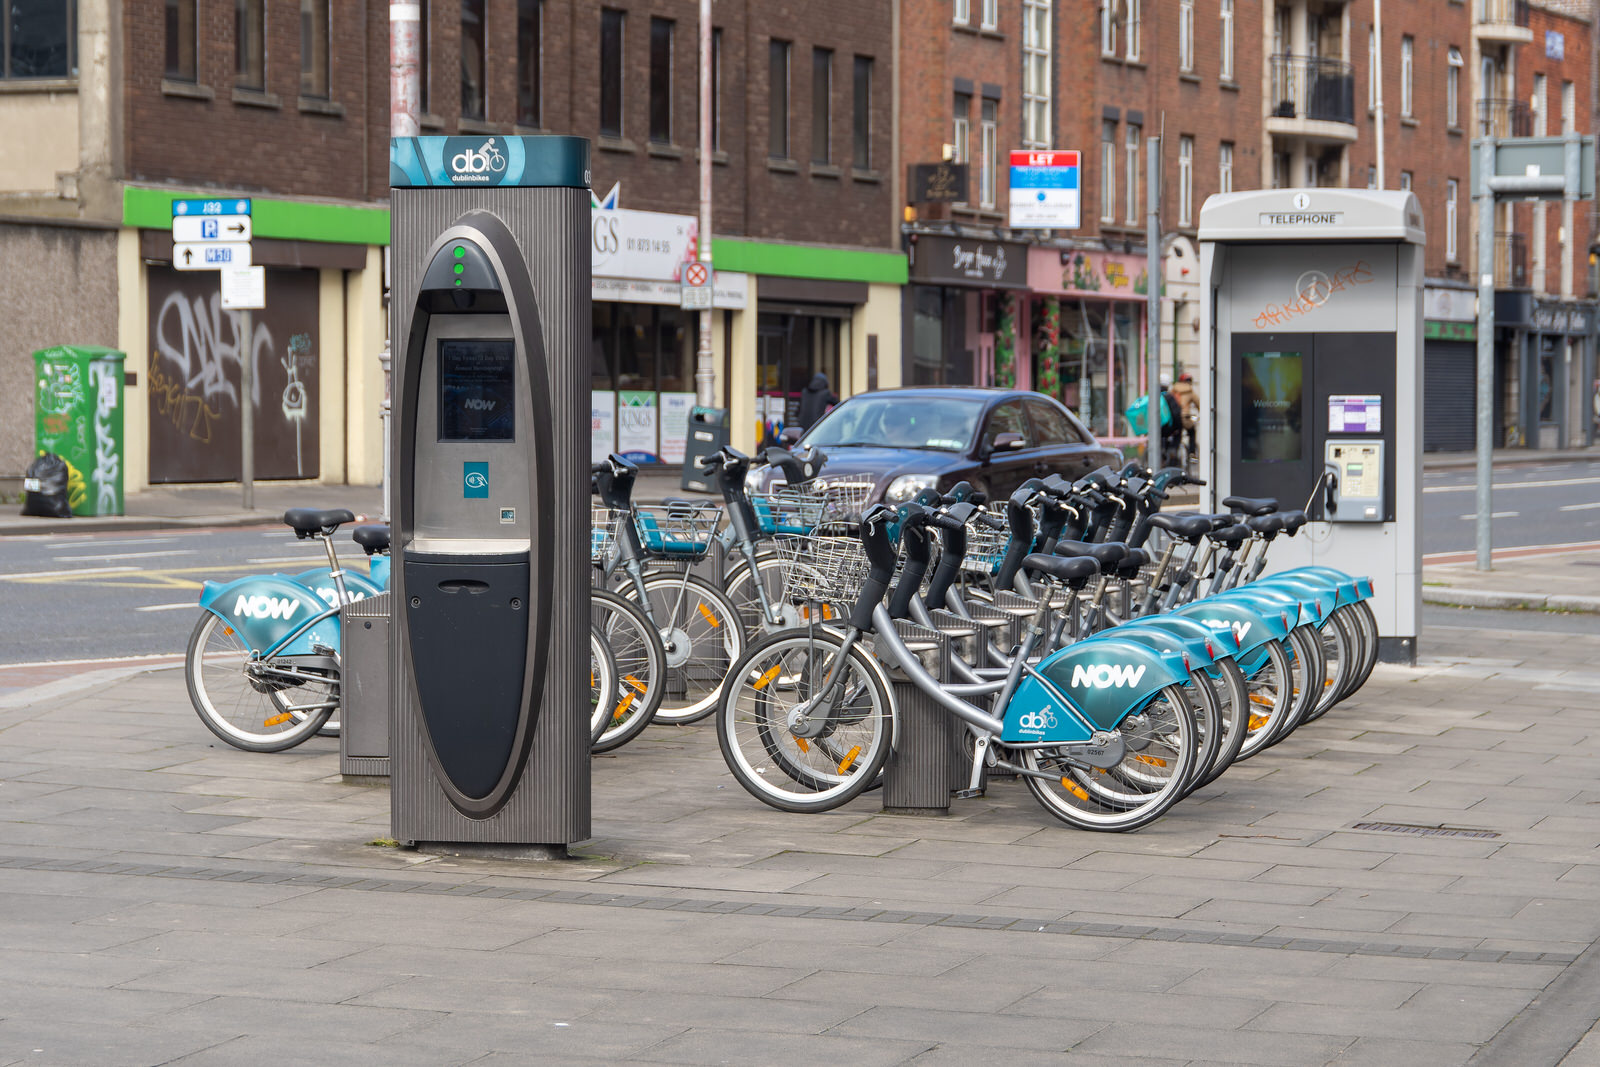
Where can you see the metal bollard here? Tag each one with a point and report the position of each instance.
(364, 688)
(917, 778)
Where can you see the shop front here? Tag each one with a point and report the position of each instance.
(1559, 375)
(1088, 312)
(643, 344)
(1450, 369)
(964, 309)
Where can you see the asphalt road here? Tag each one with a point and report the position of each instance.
(69, 597)
(1544, 504)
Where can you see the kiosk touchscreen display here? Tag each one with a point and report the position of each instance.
(1272, 415)
(477, 389)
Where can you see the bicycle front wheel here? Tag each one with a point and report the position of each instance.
(641, 669)
(602, 684)
(792, 739)
(252, 704)
(701, 635)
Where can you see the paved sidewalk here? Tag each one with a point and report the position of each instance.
(1534, 579)
(1411, 880)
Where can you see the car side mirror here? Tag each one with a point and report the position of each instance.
(789, 436)
(1006, 442)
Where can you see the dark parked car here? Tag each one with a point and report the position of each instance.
(913, 439)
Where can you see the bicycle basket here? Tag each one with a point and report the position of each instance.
(828, 566)
(678, 531)
(986, 547)
(602, 533)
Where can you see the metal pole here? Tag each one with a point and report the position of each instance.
(247, 413)
(405, 97)
(705, 372)
(1485, 494)
(384, 411)
(1152, 315)
(1377, 80)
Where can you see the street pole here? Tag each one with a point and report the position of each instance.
(1377, 80)
(705, 374)
(247, 412)
(405, 97)
(1152, 317)
(1485, 494)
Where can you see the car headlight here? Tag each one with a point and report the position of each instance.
(907, 486)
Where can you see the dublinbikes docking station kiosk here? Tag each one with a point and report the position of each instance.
(1313, 328)
(489, 320)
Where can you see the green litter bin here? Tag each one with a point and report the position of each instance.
(78, 416)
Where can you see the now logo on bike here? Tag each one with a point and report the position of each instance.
(1239, 628)
(1106, 675)
(265, 607)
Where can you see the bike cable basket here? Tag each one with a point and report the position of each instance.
(986, 547)
(602, 533)
(787, 510)
(682, 530)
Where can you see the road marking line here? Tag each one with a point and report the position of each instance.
(1469, 555)
(286, 559)
(152, 657)
(130, 555)
(1472, 487)
(1581, 507)
(102, 544)
(1494, 515)
(168, 607)
(67, 573)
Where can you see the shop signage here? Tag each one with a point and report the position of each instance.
(1450, 305)
(1102, 275)
(636, 426)
(1560, 318)
(1044, 191)
(937, 183)
(1437, 330)
(730, 290)
(941, 260)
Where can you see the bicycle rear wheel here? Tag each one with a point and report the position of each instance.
(702, 636)
(248, 702)
(641, 668)
(602, 684)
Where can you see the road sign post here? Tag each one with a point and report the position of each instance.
(215, 235)
(696, 292)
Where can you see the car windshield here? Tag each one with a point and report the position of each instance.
(900, 420)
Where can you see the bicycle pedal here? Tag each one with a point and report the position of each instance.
(966, 794)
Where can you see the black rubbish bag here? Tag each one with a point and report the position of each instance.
(44, 488)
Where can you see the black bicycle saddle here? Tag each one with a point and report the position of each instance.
(373, 538)
(1251, 505)
(305, 522)
(1060, 568)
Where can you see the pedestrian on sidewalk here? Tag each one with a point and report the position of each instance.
(815, 401)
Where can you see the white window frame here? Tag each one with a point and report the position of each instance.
(1131, 166)
(1108, 28)
(1108, 171)
(991, 14)
(1225, 167)
(1373, 73)
(988, 147)
(1452, 87)
(1186, 36)
(1185, 180)
(1541, 94)
(1405, 181)
(963, 12)
(1130, 30)
(1036, 132)
(1569, 107)
(1450, 192)
(961, 134)
(1226, 14)
(1407, 64)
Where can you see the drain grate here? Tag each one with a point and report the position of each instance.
(1424, 831)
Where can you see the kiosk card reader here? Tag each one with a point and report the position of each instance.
(1355, 481)
(490, 321)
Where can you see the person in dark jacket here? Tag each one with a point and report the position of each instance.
(815, 400)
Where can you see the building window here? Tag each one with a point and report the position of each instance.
(474, 56)
(1541, 92)
(249, 44)
(1111, 14)
(1452, 88)
(1036, 73)
(1280, 170)
(989, 146)
(39, 38)
(1372, 176)
(1185, 181)
(960, 131)
(778, 99)
(1186, 35)
(661, 81)
(862, 114)
(1131, 194)
(716, 89)
(1108, 171)
(1569, 108)
(1450, 220)
(611, 27)
(1131, 28)
(315, 32)
(1407, 46)
(1227, 41)
(991, 14)
(1373, 74)
(1405, 181)
(530, 63)
(963, 12)
(821, 105)
(181, 41)
(1225, 167)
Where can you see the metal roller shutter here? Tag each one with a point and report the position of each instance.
(1449, 396)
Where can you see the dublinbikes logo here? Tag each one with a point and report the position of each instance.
(1036, 722)
(469, 161)
(1106, 675)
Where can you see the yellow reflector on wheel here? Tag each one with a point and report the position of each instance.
(766, 679)
(228, 630)
(710, 618)
(1257, 698)
(631, 680)
(1154, 761)
(1075, 789)
(278, 720)
(1258, 721)
(802, 744)
(849, 759)
(622, 708)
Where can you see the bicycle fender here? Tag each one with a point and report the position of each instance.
(378, 572)
(1250, 627)
(265, 608)
(1359, 586)
(1184, 636)
(1268, 600)
(1314, 594)
(1103, 678)
(320, 581)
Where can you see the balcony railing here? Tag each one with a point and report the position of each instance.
(1502, 13)
(1510, 260)
(1504, 118)
(1309, 87)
